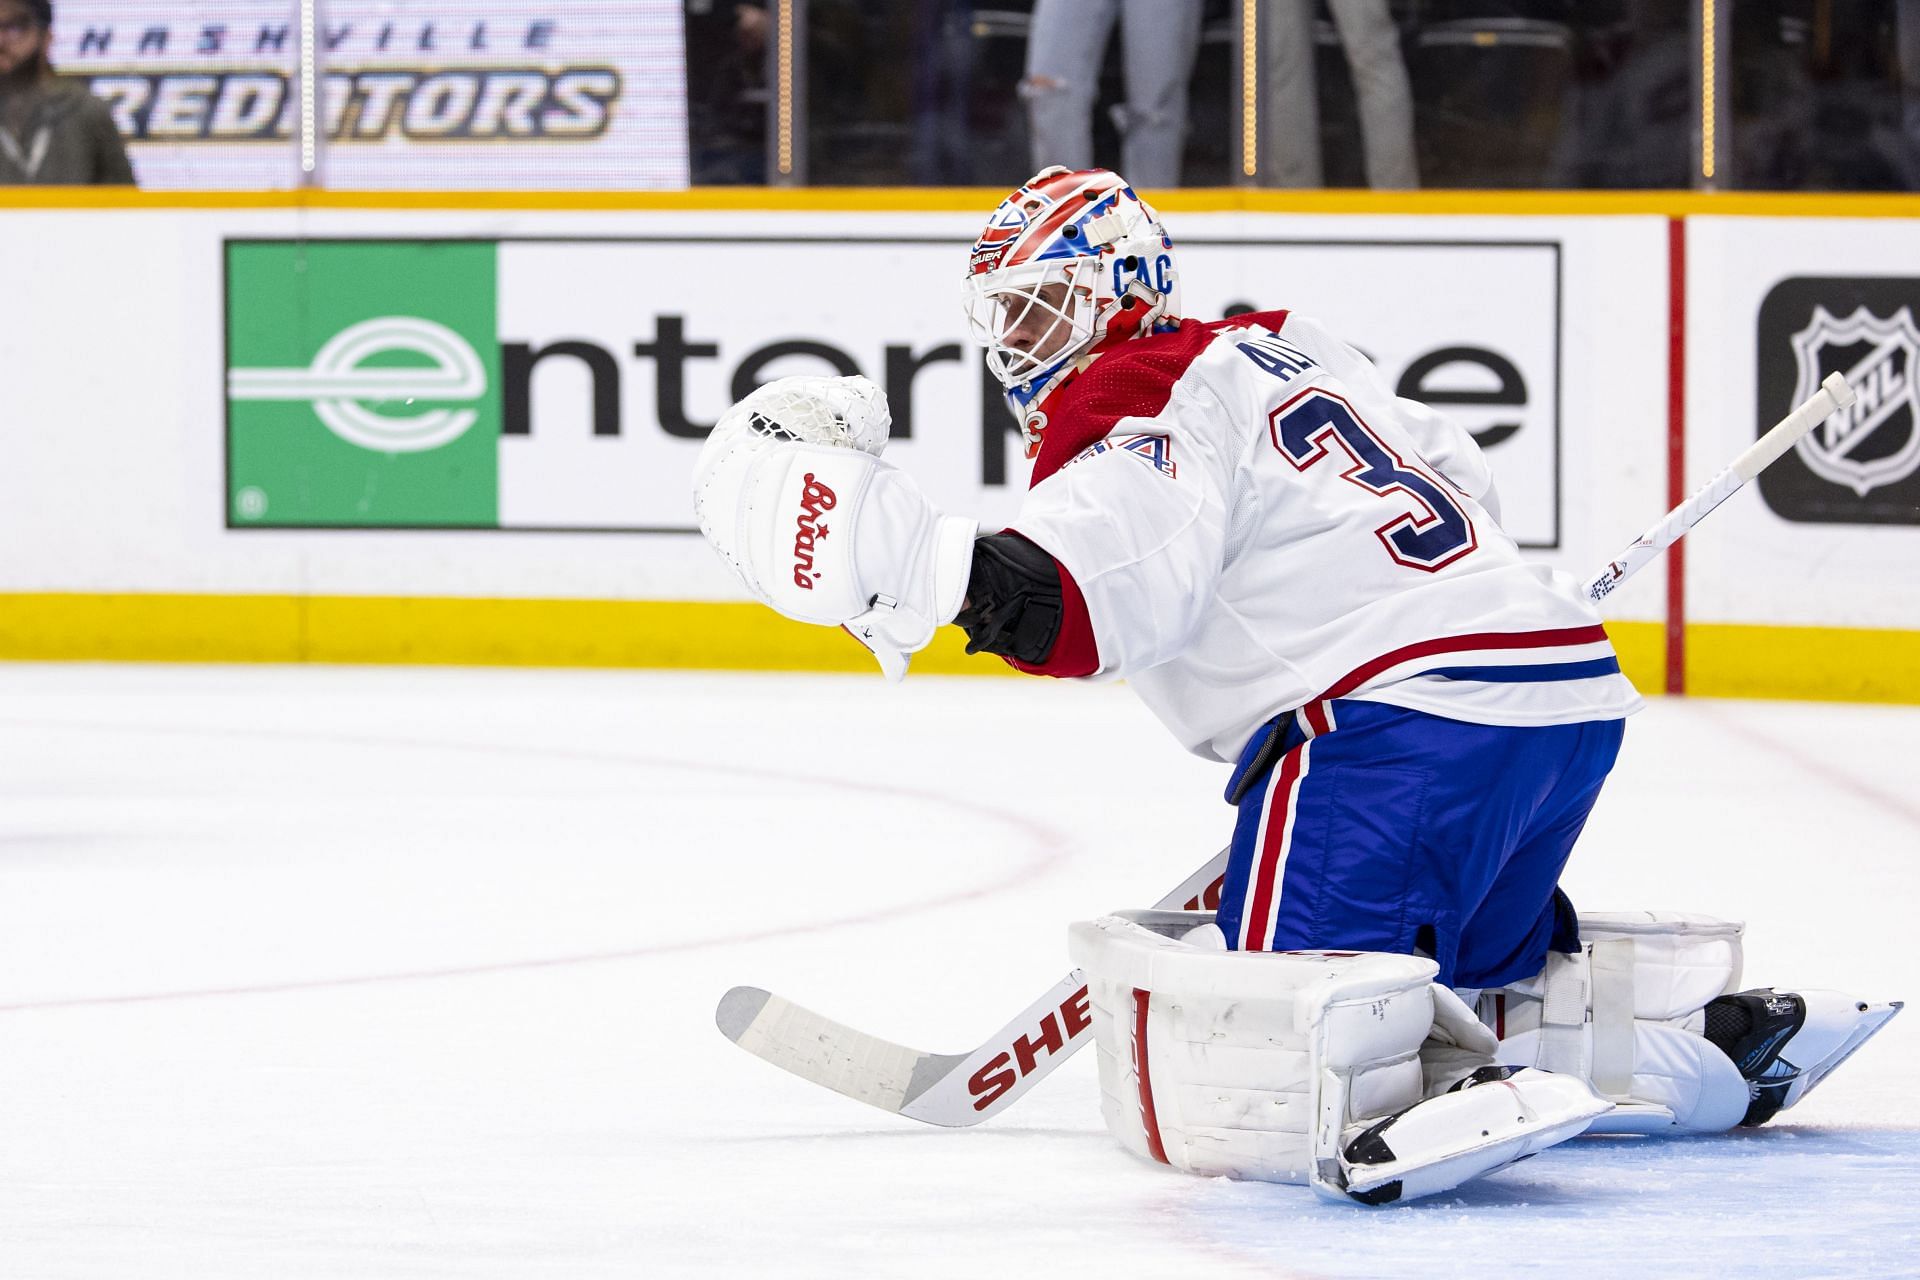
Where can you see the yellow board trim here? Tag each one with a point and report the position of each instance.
(1642, 649)
(389, 629)
(1833, 664)
(1722, 660)
(977, 200)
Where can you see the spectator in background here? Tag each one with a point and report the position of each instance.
(1907, 49)
(944, 64)
(1289, 139)
(726, 91)
(1630, 120)
(51, 131)
(1064, 52)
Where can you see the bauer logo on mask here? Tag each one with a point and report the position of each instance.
(1858, 467)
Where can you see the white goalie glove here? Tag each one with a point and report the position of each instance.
(791, 491)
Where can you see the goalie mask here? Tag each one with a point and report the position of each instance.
(1068, 264)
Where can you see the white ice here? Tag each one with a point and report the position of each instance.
(370, 973)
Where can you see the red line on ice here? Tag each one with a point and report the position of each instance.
(1051, 844)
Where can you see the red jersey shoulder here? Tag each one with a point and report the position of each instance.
(1134, 380)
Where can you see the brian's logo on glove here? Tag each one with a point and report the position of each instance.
(815, 498)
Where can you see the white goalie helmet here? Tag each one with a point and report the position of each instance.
(1070, 263)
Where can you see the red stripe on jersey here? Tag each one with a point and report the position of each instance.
(1319, 718)
(1074, 651)
(1455, 644)
(1148, 1119)
(1266, 872)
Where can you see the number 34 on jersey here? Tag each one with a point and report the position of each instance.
(1319, 427)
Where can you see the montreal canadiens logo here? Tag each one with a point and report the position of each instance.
(1876, 440)
(1008, 221)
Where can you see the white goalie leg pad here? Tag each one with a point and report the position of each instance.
(1625, 1013)
(1268, 1065)
(1208, 1057)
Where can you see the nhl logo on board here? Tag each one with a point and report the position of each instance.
(1862, 465)
(1875, 441)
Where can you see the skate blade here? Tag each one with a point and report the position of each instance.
(1870, 1017)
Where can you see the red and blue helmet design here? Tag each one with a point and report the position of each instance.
(1070, 263)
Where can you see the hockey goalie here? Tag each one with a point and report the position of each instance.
(1305, 578)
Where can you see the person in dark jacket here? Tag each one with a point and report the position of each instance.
(52, 131)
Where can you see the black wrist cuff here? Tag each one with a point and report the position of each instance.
(1013, 599)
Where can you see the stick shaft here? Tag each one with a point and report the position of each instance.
(989, 1079)
(1834, 393)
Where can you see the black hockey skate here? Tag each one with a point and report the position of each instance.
(1784, 1043)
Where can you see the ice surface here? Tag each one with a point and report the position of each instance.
(331, 972)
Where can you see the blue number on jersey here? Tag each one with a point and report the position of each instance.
(1275, 355)
(1430, 537)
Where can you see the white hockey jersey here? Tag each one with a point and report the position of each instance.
(1255, 521)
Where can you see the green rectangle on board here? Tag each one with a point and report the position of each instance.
(363, 384)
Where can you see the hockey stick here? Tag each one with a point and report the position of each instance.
(1834, 394)
(961, 1089)
(950, 1089)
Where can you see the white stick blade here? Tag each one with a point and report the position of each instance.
(801, 1042)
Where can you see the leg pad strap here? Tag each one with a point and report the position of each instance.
(1624, 1013)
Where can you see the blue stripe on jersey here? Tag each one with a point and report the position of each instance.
(1537, 674)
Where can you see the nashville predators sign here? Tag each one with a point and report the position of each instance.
(445, 93)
